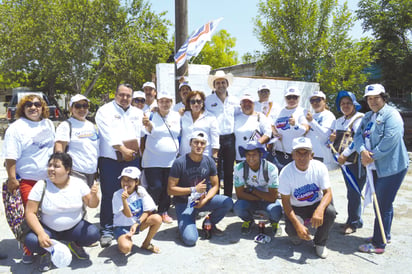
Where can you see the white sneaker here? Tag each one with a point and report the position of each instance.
(321, 251)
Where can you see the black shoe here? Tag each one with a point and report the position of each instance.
(3, 256)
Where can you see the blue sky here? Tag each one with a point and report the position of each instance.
(238, 19)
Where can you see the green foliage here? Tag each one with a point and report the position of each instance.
(218, 52)
(308, 40)
(391, 24)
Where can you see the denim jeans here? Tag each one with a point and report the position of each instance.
(219, 205)
(245, 209)
(227, 156)
(109, 183)
(305, 212)
(156, 179)
(354, 199)
(386, 189)
(83, 234)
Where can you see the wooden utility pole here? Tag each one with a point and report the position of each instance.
(180, 38)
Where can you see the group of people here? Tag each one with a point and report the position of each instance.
(146, 151)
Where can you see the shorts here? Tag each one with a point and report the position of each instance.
(120, 230)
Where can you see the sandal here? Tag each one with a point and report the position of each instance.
(370, 248)
(152, 248)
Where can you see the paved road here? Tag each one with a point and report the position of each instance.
(234, 253)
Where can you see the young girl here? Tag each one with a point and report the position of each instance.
(132, 209)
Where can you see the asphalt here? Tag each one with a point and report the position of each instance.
(235, 253)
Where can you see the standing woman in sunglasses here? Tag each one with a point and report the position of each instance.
(197, 118)
(80, 138)
(290, 123)
(28, 144)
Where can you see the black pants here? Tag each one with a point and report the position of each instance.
(227, 155)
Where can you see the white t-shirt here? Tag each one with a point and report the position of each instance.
(256, 178)
(287, 131)
(304, 187)
(83, 144)
(206, 123)
(178, 106)
(137, 204)
(30, 144)
(245, 125)
(61, 209)
(160, 147)
(269, 109)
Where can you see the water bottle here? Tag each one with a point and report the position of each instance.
(207, 227)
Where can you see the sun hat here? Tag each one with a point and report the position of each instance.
(77, 98)
(345, 93)
(292, 91)
(149, 84)
(131, 172)
(199, 135)
(220, 74)
(138, 94)
(374, 89)
(252, 145)
(318, 93)
(301, 142)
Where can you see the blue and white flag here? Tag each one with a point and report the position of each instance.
(195, 42)
(369, 188)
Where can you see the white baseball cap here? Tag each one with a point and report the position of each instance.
(292, 91)
(247, 97)
(131, 172)
(318, 93)
(161, 95)
(139, 94)
(199, 135)
(302, 142)
(149, 84)
(263, 86)
(374, 89)
(77, 98)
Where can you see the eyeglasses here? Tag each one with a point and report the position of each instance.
(79, 106)
(196, 101)
(315, 100)
(292, 97)
(139, 100)
(29, 104)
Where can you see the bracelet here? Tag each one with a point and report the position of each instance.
(193, 189)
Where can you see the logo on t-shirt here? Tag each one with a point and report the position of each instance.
(283, 123)
(308, 193)
(368, 131)
(136, 207)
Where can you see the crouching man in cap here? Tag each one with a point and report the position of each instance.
(256, 185)
(194, 184)
(306, 196)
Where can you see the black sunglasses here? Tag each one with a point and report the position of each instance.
(79, 106)
(315, 100)
(139, 100)
(196, 101)
(264, 91)
(29, 104)
(290, 97)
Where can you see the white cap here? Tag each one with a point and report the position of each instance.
(318, 93)
(247, 97)
(185, 84)
(199, 135)
(77, 98)
(374, 89)
(262, 87)
(292, 91)
(139, 94)
(302, 142)
(131, 172)
(161, 95)
(149, 84)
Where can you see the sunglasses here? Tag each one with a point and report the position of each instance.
(79, 106)
(139, 100)
(196, 101)
(315, 100)
(29, 104)
(266, 91)
(292, 97)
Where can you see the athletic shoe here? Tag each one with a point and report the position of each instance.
(78, 251)
(28, 257)
(166, 218)
(45, 262)
(370, 248)
(106, 240)
(246, 227)
(369, 240)
(321, 251)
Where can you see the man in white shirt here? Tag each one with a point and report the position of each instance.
(149, 89)
(223, 106)
(120, 127)
(307, 197)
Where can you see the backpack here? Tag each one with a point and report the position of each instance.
(14, 211)
(265, 170)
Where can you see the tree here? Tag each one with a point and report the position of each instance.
(391, 24)
(308, 40)
(218, 52)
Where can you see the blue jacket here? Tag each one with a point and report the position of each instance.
(388, 148)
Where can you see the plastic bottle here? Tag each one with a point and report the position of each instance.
(207, 227)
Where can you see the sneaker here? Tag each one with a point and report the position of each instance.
(370, 248)
(78, 251)
(246, 227)
(217, 232)
(321, 251)
(45, 262)
(369, 240)
(166, 218)
(106, 240)
(28, 257)
(295, 240)
(276, 229)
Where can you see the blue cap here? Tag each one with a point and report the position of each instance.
(345, 93)
(252, 145)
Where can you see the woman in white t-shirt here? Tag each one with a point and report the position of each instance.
(60, 200)
(161, 148)
(80, 139)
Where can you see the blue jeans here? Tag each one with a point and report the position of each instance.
(227, 156)
(219, 205)
(109, 183)
(354, 199)
(156, 178)
(386, 189)
(245, 209)
(83, 234)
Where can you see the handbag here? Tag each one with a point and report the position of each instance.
(130, 144)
